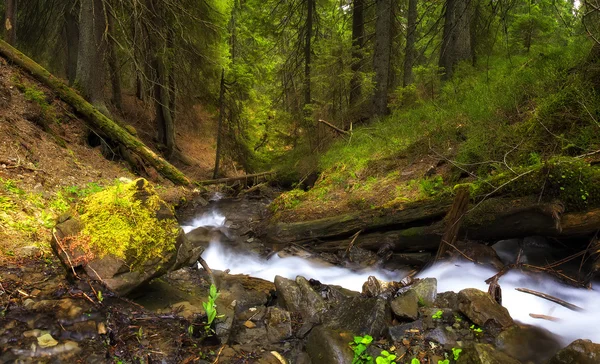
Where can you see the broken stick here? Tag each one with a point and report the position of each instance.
(566, 304)
(544, 317)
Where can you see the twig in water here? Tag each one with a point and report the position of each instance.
(544, 317)
(64, 251)
(566, 304)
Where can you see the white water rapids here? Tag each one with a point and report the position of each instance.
(451, 276)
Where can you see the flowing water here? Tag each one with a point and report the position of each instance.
(451, 276)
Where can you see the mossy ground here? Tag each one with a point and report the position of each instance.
(487, 125)
(119, 223)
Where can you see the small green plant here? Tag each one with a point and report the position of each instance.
(140, 334)
(445, 361)
(437, 315)
(457, 318)
(477, 330)
(456, 353)
(99, 296)
(385, 357)
(359, 346)
(190, 330)
(415, 361)
(211, 308)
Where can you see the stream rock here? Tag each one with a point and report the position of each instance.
(406, 306)
(480, 308)
(299, 296)
(327, 346)
(426, 290)
(578, 352)
(279, 324)
(485, 354)
(125, 254)
(529, 344)
(360, 315)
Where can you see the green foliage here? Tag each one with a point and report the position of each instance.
(359, 347)
(445, 361)
(475, 329)
(385, 358)
(288, 200)
(437, 315)
(210, 307)
(456, 353)
(432, 187)
(415, 361)
(99, 296)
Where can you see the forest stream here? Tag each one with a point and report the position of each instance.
(285, 304)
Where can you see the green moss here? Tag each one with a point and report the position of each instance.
(570, 180)
(119, 222)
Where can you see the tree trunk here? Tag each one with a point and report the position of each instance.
(163, 119)
(92, 46)
(72, 41)
(358, 35)
(381, 57)
(310, 4)
(409, 54)
(10, 21)
(95, 119)
(456, 41)
(220, 126)
(113, 64)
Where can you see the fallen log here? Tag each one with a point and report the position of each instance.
(421, 214)
(422, 223)
(94, 118)
(234, 179)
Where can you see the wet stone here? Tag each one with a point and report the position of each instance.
(529, 344)
(426, 290)
(326, 346)
(481, 309)
(406, 306)
(578, 352)
(397, 333)
(360, 315)
(485, 354)
(279, 324)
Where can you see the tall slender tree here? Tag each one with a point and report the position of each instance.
(456, 41)
(358, 35)
(409, 52)
(91, 51)
(10, 21)
(382, 55)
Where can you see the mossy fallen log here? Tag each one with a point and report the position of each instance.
(420, 226)
(343, 226)
(94, 118)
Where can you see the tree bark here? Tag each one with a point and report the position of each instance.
(358, 35)
(164, 118)
(72, 40)
(381, 57)
(10, 21)
(310, 4)
(409, 53)
(92, 45)
(454, 221)
(94, 118)
(220, 126)
(113, 64)
(456, 41)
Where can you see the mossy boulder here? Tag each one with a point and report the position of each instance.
(123, 236)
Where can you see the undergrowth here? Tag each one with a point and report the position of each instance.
(488, 123)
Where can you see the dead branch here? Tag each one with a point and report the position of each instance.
(544, 317)
(566, 304)
(208, 271)
(233, 179)
(341, 131)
